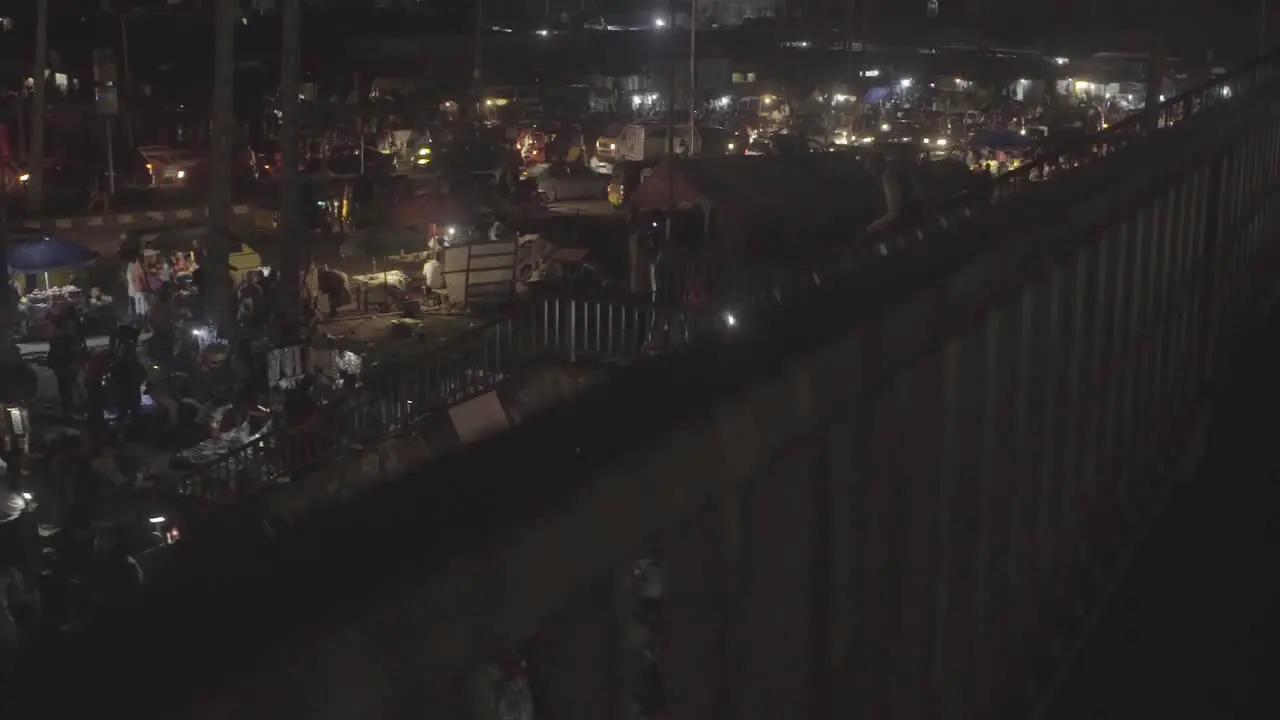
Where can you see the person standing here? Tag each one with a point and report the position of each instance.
(128, 375)
(900, 191)
(65, 352)
(139, 289)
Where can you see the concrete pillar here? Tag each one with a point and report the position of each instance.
(696, 604)
(582, 658)
(776, 636)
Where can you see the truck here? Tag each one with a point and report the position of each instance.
(640, 142)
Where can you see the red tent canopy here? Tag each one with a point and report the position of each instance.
(768, 208)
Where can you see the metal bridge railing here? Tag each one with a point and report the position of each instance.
(403, 393)
(851, 261)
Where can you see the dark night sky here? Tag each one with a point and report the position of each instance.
(1194, 25)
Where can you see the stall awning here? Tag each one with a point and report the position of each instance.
(47, 252)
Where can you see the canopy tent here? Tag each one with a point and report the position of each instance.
(768, 208)
(879, 93)
(44, 253)
(383, 241)
(240, 257)
(182, 239)
(411, 224)
(430, 213)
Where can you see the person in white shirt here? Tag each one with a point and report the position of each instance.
(139, 289)
(166, 270)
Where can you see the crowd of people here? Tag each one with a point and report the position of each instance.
(161, 350)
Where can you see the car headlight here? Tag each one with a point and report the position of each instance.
(926, 141)
(423, 152)
(884, 127)
(730, 146)
(942, 142)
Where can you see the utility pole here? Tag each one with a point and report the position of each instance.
(289, 297)
(216, 269)
(671, 93)
(477, 76)
(128, 77)
(17, 380)
(693, 69)
(1155, 62)
(9, 311)
(35, 155)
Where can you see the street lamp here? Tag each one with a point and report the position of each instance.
(123, 18)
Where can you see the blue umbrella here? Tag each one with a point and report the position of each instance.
(38, 254)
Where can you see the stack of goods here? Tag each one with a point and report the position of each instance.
(39, 308)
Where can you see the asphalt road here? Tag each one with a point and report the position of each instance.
(1192, 630)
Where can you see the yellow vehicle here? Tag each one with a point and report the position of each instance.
(627, 176)
(617, 191)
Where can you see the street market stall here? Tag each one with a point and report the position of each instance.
(47, 274)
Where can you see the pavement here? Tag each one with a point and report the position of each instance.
(587, 208)
(374, 332)
(1192, 630)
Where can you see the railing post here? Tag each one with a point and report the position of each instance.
(573, 331)
(1215, 217)
(699, 605)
